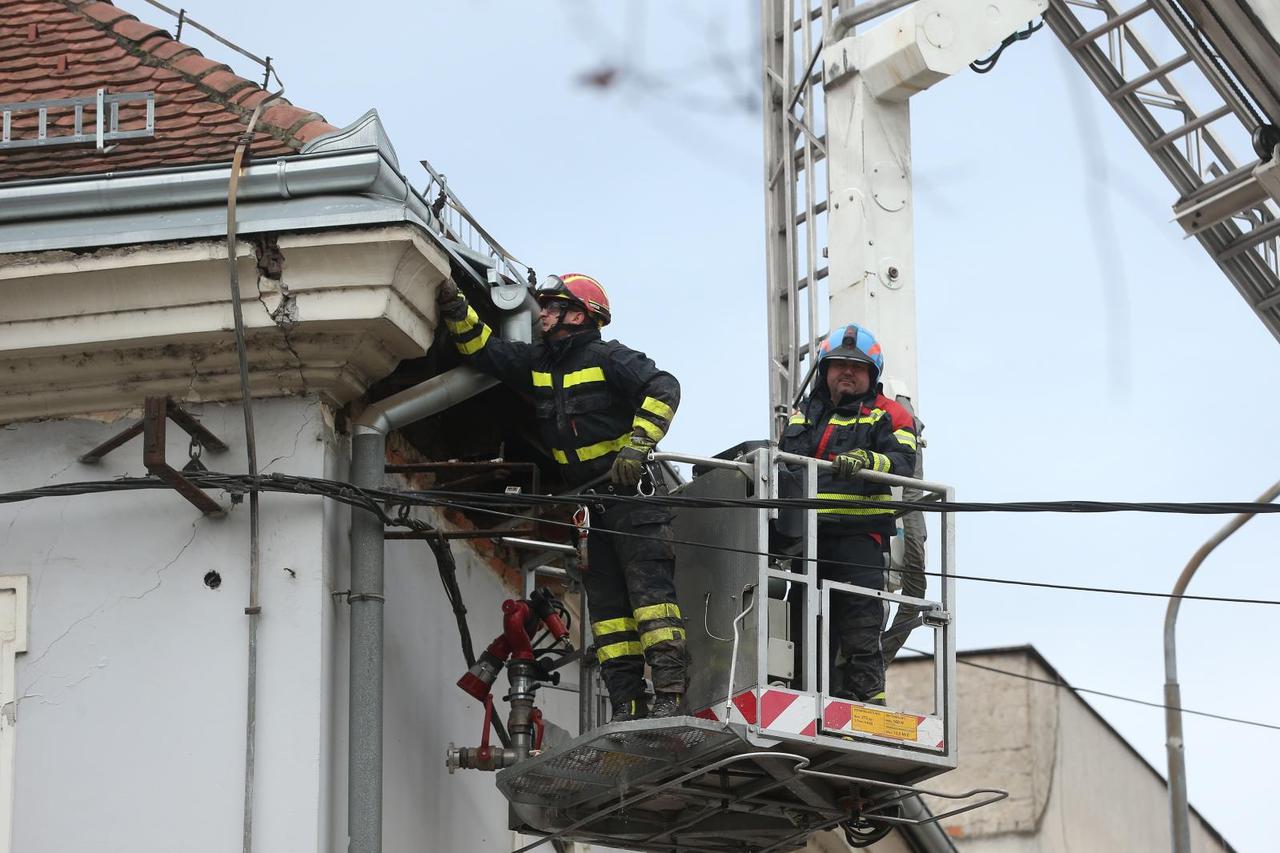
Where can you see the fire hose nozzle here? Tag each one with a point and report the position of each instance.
(478, 680)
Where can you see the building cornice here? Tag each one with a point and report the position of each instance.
(326, 312)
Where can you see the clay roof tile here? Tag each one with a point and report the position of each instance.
(71, 48)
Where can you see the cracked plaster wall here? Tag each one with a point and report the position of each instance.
(130, 732)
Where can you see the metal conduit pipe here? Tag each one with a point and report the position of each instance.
(367, 596)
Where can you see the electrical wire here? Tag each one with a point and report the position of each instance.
(1051, 682)
(982, 66)
(978, 578)
(935, 506)
(372, 500)
(251, 451)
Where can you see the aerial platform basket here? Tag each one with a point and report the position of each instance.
(769, 756)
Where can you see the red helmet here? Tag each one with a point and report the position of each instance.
(580, 291)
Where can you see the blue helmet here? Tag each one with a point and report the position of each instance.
(851, 343)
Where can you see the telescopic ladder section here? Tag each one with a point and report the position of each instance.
(795, 188)
(1163, 78)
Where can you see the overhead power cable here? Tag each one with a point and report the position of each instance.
(935, 506)
(1051, 682)
(788, 557)
(243, 483)
(374, 500)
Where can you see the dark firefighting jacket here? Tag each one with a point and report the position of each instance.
(590, 395)
(873, 422)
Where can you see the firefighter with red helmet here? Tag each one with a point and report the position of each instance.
(601, 408)
(848, 422)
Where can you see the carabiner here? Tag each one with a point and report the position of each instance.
(646, 477)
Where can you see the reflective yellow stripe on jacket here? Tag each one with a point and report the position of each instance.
(648, 427)
(591, 451)
(841, 420)
(581, 377)
(854, 510)
(657, 407)
(460, 328)
(653, 418)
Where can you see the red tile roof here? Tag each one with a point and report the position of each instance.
(70, 48)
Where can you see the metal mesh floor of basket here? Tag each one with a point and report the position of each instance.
(683, 784)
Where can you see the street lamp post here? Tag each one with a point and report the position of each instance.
(1179, 821)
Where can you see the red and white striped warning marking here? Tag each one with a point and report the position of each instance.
(788, 711)
(741, 710)
(775, 710)
(795, 713)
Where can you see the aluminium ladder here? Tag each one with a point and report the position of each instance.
(1220, 201)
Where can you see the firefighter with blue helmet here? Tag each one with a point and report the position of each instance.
(601, 407)
(847, 421)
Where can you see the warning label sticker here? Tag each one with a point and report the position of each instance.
(873, 721)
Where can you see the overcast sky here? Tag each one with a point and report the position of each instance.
(1072, 344)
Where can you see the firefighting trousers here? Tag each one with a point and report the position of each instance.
(856, 620)
(631, 593)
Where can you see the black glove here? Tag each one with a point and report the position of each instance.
(847, 465)
(628, 465)
(451, 301)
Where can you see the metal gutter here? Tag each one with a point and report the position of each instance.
(306, 191)
(368, 590)
(354, 171)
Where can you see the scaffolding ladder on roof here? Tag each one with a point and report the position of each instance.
(51, 129)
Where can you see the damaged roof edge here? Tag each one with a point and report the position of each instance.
(356, 164)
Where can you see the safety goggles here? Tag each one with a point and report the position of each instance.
(551, 287)
(552, 290)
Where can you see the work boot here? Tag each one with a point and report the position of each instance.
(629, 709)
(667, 705)
(874, 699)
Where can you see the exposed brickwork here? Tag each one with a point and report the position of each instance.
(69, 49)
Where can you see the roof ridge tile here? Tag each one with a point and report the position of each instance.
(232, 91)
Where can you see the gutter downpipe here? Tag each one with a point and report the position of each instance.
(1179, 812)
(367, 596)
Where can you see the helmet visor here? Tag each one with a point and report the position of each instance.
(551, 290)
(848, 353)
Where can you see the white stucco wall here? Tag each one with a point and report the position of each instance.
(130, 721)
(131, 710)
(426, 810)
